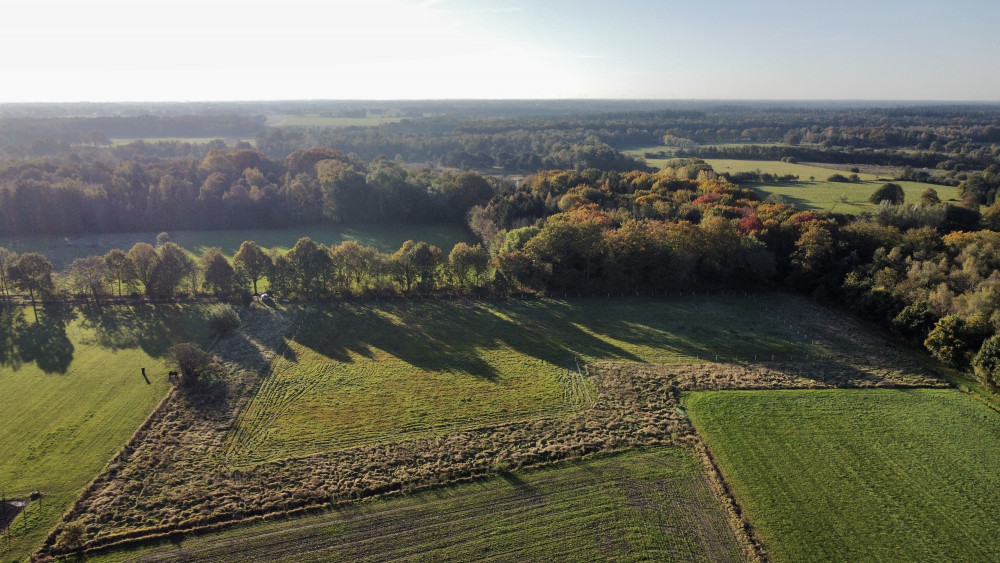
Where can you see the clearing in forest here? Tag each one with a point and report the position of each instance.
(814, 191)
(372, 373)
(849, 475)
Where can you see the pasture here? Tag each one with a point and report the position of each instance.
(859, 475)
(812, 191)
(61, 250)
(819, 194)
(71, 394)
(373, 373)
(652, 505)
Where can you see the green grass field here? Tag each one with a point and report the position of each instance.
(860, 475)
(72, 393)
(819, 194)
(651, 505)
(61, 250)
(382, 372)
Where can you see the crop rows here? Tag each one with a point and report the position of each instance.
(651, 504)
(878, 474)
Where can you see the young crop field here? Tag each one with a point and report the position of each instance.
(354, 374)
(71, 394)
(61, 250)
(849, 475)
(652, 505)
(818, 193)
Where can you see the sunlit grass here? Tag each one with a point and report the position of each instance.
(71, 394)
(848, 475)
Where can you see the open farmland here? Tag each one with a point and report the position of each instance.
(72, 393)
(820, 194)
(197, 465)
(354, 374)
(61, 250)
(646, 504)
(849, 475)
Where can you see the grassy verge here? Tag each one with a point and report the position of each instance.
(72, 394)
(859, 474)
(651, 504)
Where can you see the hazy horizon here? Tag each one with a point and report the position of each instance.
(726, 50)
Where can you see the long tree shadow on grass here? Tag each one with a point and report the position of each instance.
(45, 342)
(151, 328)
(447, 336)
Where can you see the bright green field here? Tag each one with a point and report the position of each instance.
(382, 372)
(61, 250)
(71, 394)
(860, 475)
(819, 194)
(651, 505)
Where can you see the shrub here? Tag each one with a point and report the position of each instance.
(223, 319)
(893, 193)
(987, 361)
(194, 363)
(838, 178)
(71, 537)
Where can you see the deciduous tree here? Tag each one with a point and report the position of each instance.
(144, 259)
(119, 268)
(32, 272)
(252, 262)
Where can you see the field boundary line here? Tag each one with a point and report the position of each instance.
(745, 533)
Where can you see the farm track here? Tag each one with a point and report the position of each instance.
(174, 475)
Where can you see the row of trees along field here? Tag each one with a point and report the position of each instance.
(227, 189)
(928, 271)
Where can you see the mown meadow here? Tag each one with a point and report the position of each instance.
(380, 372)
(856, 475)
(71, 394)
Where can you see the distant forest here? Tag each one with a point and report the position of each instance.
(63, 169)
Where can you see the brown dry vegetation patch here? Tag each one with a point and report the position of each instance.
(173, 475)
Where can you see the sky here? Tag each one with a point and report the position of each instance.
(207, 50)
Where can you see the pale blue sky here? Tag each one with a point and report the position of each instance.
(116, 50)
